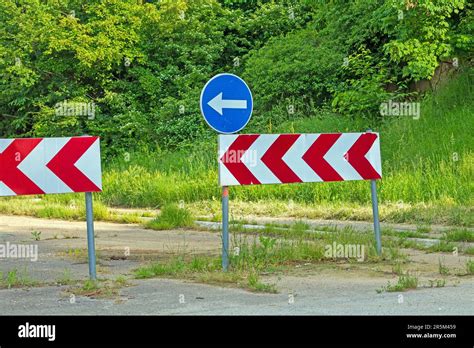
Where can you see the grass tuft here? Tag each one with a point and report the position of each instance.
(171, 216)
(460, 235)
(14, 279)
(405, 282)
(470, 266)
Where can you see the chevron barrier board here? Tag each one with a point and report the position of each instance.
(50, 165)
(252, 159)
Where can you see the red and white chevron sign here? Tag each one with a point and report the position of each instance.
(49, 165)
(253, 159)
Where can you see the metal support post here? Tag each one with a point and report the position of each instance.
(225, 228)
(375, 210)
(90, 235)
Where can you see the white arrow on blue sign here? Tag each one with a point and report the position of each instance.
(226, 103)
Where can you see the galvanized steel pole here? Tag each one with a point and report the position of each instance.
(90, 236)
(225, 228)
(375, 210)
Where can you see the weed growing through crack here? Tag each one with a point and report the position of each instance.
(405, 282)
(470, 267)
(65, 277)
(98, 288)
(437, 283)
(36, 235)
(14, 279)
(397, 268)
(442, 269)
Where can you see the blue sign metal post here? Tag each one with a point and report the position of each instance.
(225, 228)
(226, 103)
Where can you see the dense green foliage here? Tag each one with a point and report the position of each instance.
(143, 63)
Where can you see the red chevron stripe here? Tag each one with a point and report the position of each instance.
(10, 159)
(63, 164)
(356, 156)
(232, 159)
(314, 157)
(274, 161)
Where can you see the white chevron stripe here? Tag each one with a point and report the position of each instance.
(225, 176)
(335, 156)
(4, 143)
(89, 164)
(5, 190)
(34, 165)
(373, 155)
(253, 159)
(224, 143)
(294, 158)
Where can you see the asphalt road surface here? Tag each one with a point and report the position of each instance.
(308, 297)
(326, 290)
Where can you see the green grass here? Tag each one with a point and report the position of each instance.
(90, 285)
(65, 278)
(205, 269)
(419, 213)
(171, 216)
(121, 280)
(65, 207)
(443, 246)
(177, 266)
(405, 282)
(423, 229)
(460, 235)
(253, 258)
(211, 210)
(36, 235)
(272, 251)
(392, 251)
(437, 283)
(323, 236)
(256, 285)
(442, 269)
(397, 268)
(469, 251)
(15, 278)
(470, 267)
(108, 289)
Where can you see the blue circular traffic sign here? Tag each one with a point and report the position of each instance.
(226, 103)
